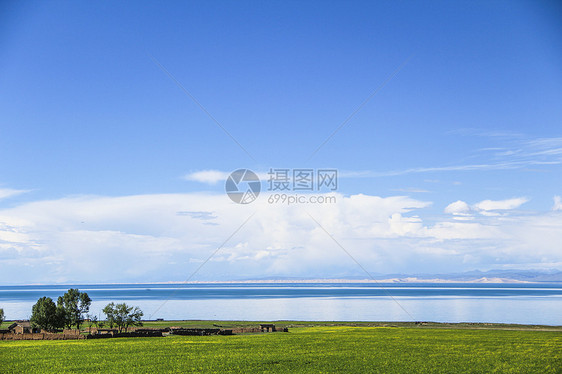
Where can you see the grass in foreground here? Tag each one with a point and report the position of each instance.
(310, 349)
(292, 324)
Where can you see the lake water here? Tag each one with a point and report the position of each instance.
(440, 302)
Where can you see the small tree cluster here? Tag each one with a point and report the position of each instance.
(73, 306)
(69, 311)
(45, 314)
(2, 316)
(94, 321)
(123, 316)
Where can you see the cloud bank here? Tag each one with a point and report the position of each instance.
(146, 238)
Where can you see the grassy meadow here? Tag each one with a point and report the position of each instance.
(304, 349)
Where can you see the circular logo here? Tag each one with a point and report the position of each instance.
(243, 186)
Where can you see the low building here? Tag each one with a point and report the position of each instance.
(21, 327)
(267, 327)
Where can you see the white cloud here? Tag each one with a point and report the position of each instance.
(459, 207)
(462, 230)
(557, 203)
(488, 205)
(511, 153)
(9, 192)
(410, 190)
(207, 176)
(488, 208)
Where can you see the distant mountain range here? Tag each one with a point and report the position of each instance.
(474, 276)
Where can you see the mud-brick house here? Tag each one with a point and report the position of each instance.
(267, 327)
(23, 327)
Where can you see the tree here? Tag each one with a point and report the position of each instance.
(2, 316)
(46, 315)
(109, 312)
(94, 321)
(123, 316)
(74, 304)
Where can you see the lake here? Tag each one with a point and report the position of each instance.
(440, 302)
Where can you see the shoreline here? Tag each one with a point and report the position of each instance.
(397, 280)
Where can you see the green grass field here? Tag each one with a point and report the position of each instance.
(304, 349)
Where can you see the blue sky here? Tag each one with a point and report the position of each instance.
(90, 123)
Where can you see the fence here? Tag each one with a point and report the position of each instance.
(137, 333)
(41, 336)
